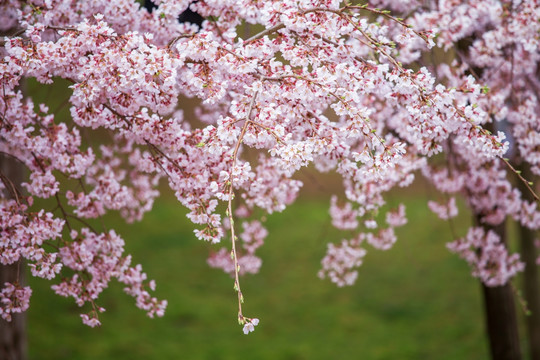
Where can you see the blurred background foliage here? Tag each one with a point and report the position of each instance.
(415, 301)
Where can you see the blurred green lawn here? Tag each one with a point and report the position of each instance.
(416, 301)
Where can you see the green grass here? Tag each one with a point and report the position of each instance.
(416, 301)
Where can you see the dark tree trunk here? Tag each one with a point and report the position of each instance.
(12, 334)
(501, 322)
(531, 284)
(531, 290)
(501, 319)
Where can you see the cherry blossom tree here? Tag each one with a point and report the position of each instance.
(347, 87)
(496, 43)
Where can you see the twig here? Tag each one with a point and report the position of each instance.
(518, 173)
(229, 209)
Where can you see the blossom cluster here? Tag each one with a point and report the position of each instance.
(487, 256)
(14, 299)
(341, 261)
(252, 238)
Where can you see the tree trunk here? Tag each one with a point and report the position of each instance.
(501, 319)
(501, 322)
(12, 334)
(531, 291)
(531, 284)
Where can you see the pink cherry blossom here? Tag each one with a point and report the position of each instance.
(14, 299)
(487, 256)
